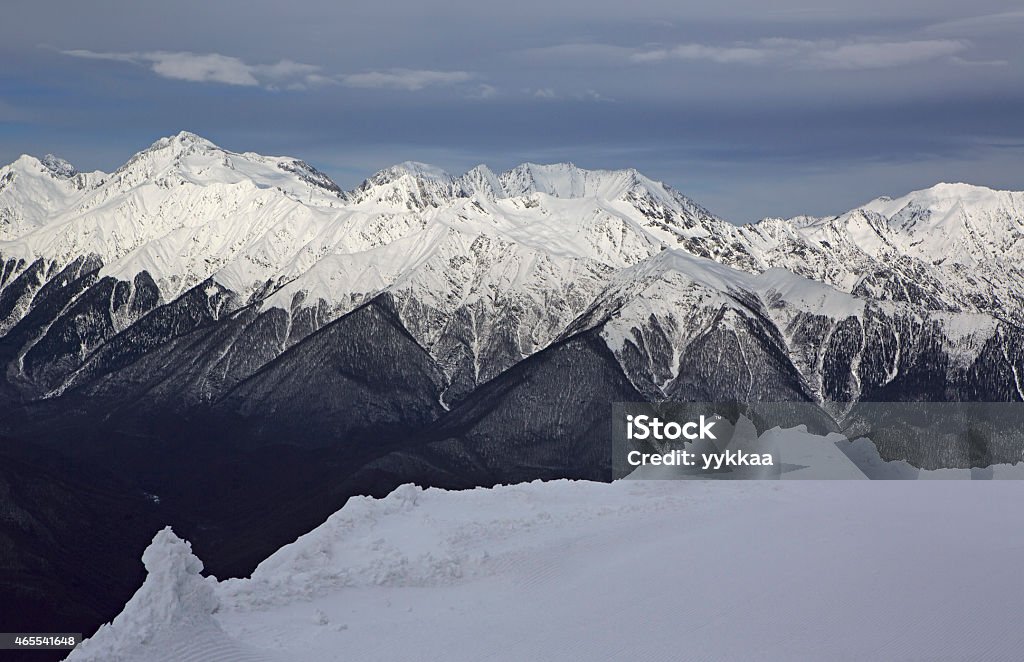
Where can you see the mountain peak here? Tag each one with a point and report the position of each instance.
(414, 169)
(58, 166)
(481, 169)
(560, 180)
(424, 170)
(940, 198)
(49, 165)
(958, 188)
(182, 142)
(945, 193)
(430, 186)
(25, 162)
(186, 137)
(481, 179)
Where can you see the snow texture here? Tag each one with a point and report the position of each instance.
(653, 570)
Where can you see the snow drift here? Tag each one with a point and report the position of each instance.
(655, 570)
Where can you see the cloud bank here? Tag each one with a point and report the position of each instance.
(813, 54)
(405, 79)
(283, 74)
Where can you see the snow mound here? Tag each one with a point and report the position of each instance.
(411, 538)
(387, 542)
(169, 617)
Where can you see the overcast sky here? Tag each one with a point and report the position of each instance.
(804, 107)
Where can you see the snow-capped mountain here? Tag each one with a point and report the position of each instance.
(176, 210)
(33, 190)
(916, 297)
(956, 223)
(952, 247)
(486, 269)
(233, 344)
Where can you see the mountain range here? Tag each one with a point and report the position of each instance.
(484, 270)
(232, 334)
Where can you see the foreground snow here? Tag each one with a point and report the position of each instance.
(652, 570)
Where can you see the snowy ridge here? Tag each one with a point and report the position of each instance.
(657, 314)
(33, 190)
(487, 268)
(953, 247)
(179, 210)
(185, 210)
(956, 222)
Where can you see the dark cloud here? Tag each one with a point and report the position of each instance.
(753, 108)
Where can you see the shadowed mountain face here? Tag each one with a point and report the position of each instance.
(548, 417)
(236, 337)
(65, 528)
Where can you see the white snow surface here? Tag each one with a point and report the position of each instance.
(637, 569)
(185, 210)
(957, 222)
(33, 190)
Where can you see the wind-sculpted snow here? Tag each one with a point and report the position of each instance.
(654, 570)
(170, 615)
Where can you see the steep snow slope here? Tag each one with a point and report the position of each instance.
(955, 247)
(957, 223)
(685, 327)
(650, 570)
(32, 190)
